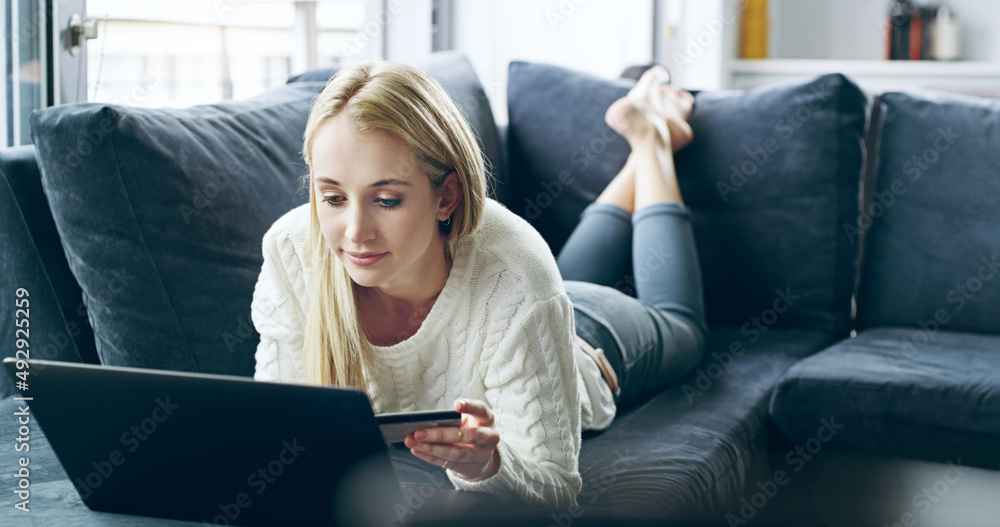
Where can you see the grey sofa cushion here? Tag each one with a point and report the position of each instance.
(933, 248)
(772, 175)
(695, 448)
(692, 450)
(162, 212)
(55, 317)
(317, 75)
(937, 401)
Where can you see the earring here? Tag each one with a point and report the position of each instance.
(446, 222)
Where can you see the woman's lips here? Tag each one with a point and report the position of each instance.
(364, 259)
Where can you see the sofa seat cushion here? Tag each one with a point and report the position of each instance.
(771, 177)
(933, 245)
(919, 393)
(693, 449)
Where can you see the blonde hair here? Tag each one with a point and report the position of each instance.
(409, 105)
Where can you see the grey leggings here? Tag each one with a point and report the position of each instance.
(657, 336)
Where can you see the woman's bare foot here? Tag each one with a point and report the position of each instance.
(653, 107)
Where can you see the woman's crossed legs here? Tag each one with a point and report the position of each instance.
(658, 336)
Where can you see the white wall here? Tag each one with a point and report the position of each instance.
(409, 37)
(705, 42)
(602, 37)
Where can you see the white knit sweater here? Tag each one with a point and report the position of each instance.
(500, 331)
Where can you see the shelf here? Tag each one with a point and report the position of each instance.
(980, 78)
(881, 68)
(831, 36)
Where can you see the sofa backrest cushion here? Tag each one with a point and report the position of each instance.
(771, 176)
(932, 253)
(161, 213)
(49, 314)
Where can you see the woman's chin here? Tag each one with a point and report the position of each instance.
(363, 276)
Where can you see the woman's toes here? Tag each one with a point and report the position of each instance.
(681, 134)
(677, 110)
(685, 102)
(681, 100)
(650, 78)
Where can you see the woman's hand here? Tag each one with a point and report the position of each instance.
(469, 450)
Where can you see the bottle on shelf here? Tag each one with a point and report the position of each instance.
(921, 32)
(946, 36)
(900, 18)
(754, 30)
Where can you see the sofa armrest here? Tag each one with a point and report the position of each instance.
(32, 257)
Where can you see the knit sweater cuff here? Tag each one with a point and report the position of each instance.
(513, 483)
(501, 484)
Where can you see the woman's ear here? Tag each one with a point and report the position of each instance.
(451, 193)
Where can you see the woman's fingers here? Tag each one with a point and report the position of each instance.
(469, 460)
(475, 408)
(470, 450)
(473, 436)
(429, 458)
(451, 452)
(480, 436)
(467, 470)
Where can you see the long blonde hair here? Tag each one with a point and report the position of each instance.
(407, 104)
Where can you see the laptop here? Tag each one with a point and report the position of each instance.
(223, 450)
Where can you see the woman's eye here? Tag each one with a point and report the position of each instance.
(336, 201)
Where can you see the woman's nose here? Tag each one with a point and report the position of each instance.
(359, 225)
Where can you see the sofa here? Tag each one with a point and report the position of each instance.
(848, 243)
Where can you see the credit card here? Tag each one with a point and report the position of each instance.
(395, 427)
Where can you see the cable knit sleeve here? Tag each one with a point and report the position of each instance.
(531, 385)
(278, 309)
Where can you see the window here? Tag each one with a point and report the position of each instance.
(185, 52)
(178, 53)
(26, 85)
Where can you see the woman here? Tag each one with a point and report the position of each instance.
(402, 279)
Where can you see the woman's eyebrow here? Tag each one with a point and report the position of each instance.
(391, 181)
(380, 183)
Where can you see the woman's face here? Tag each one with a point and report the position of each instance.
(377, 209)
